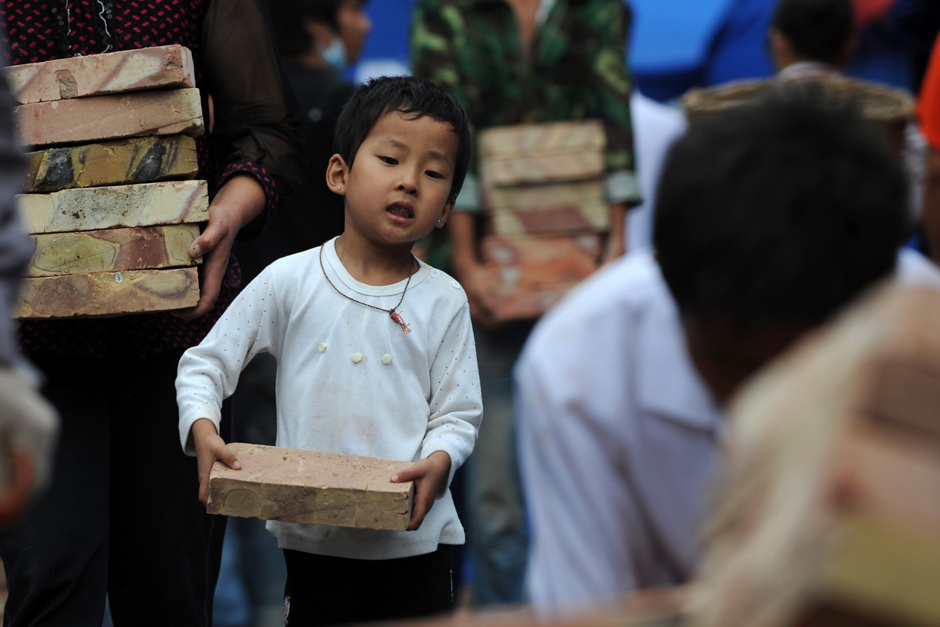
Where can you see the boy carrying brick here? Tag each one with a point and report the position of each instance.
(375, 357)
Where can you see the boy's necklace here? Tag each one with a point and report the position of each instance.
(392, 313)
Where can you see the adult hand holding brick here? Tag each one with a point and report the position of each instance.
(239, 201)
(430, 476)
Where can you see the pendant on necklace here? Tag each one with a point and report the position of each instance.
(394, 315)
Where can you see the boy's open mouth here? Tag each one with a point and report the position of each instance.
(401, 209)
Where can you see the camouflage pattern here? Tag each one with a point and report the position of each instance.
(577, 70)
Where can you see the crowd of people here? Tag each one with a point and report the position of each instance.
(559, 461)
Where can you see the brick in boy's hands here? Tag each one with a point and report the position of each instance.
(430, 479)
(311, 487)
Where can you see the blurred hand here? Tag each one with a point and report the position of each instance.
(478, 285)
(616, 244)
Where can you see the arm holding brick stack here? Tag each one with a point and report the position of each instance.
(255, 129)
(240, 201)
(612, 78)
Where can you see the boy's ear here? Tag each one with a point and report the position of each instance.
(446, 211)
(336, 174)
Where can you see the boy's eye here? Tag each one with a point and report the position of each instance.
(434, 175)
(389, 160)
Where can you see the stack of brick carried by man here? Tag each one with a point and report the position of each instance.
(546, 214)
(110, 196)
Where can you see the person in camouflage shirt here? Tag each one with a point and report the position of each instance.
(515, 62)
(572, 68)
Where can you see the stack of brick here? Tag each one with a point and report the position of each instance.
(545, 212)
(889, 108)
(111, 197)
(827, 510)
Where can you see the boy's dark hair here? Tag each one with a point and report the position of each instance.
(817, 29)
(408, 95)
(780, 210)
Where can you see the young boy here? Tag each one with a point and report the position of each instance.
(375, 357)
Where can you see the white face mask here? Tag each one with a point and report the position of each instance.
(334, 54)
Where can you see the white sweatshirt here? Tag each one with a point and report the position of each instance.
(349, 380)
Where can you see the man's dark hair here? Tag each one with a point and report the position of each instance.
(780, 210)
(817, 29)
(410, 96)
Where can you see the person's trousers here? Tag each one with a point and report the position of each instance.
(497, 533)
(324, 590)
(121, 516)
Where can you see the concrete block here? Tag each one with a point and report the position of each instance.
(147, 204)
(137, 248)
(108, 293)
(311, 487)
(137, 160)
(137, 114)
(96, 74)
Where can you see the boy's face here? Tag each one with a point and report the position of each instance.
(398, 189)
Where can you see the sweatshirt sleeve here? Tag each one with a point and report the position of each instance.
(208, 372)
(456, 403)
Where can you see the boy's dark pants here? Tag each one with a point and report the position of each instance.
(121, 514)
(335, 591)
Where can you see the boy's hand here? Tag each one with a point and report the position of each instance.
(430, 477)
(209, 447)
